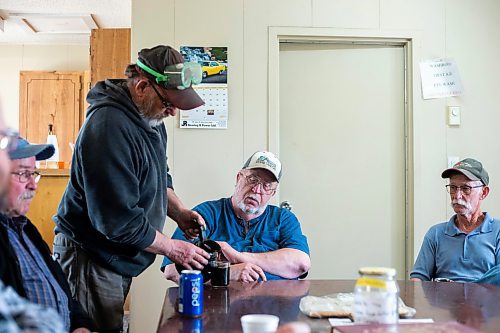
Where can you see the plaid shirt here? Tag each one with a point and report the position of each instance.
(40, 285)
(19, 315)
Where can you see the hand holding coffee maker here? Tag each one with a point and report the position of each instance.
(217, 270)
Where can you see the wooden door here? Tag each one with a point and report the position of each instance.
(50, 98)
(86, 86)
(109, 54)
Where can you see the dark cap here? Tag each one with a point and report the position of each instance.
(470, 168)
(160, 57)
(24, 150)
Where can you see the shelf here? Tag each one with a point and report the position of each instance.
(54, 172)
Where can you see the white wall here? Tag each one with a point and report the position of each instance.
(16, 58)
(204, 162)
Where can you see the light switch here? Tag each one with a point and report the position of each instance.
(453, 115)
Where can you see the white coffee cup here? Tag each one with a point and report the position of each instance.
(259, 323)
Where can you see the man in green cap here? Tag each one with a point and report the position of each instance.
(468, 245)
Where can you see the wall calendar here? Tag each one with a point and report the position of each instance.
(212, 115)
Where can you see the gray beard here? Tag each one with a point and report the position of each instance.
(250, 210)
(462, 203)
(143, 111)
(153, 122)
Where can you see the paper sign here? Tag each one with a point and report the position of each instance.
(440, 78)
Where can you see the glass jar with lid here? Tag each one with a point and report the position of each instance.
(376, 296)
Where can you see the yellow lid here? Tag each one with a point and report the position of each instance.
(378, 271)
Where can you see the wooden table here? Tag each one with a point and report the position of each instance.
(472, 304)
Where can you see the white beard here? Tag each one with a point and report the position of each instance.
(154, 122)
(461, 203)
(250, 210)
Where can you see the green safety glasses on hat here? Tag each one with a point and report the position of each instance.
(178, 76)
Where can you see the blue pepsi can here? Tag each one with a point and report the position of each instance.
(191, 325)
(191, 293)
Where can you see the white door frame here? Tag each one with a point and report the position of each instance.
(279, 35)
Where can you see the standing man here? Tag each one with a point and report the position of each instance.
(109, 221)
(261, 241)
(28, 264)
(468, 245)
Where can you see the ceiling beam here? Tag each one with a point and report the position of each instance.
(26, 20)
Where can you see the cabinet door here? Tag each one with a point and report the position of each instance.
(46, 201)
(109, 54)
(50, 98)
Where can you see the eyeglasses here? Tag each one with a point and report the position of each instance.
(26, 176)
(465, 189)
(8, 139)
(165, 103)
(266, 188)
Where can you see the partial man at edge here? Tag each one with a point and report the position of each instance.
(468, 245)
(17, 314)
(261, 241)
(29, 266)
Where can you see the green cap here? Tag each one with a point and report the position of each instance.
(470, 168)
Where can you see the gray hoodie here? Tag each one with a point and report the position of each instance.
(117, 194)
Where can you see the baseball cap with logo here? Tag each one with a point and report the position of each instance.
(470, 168)
(24, 150)
(265, 160)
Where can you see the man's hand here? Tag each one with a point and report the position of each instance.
(179, 251)
(233, 256)
(190, 222)
(186, 254)
(170, 273)
(246, 272)
(81, 330)
(294, 327)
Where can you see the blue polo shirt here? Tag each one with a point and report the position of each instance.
(448, 252)
(492, 276)
(274, 229)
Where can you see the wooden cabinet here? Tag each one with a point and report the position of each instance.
(51, 98)
(46, 201)
(109, 54)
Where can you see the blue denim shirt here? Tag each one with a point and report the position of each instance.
(274, 229)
